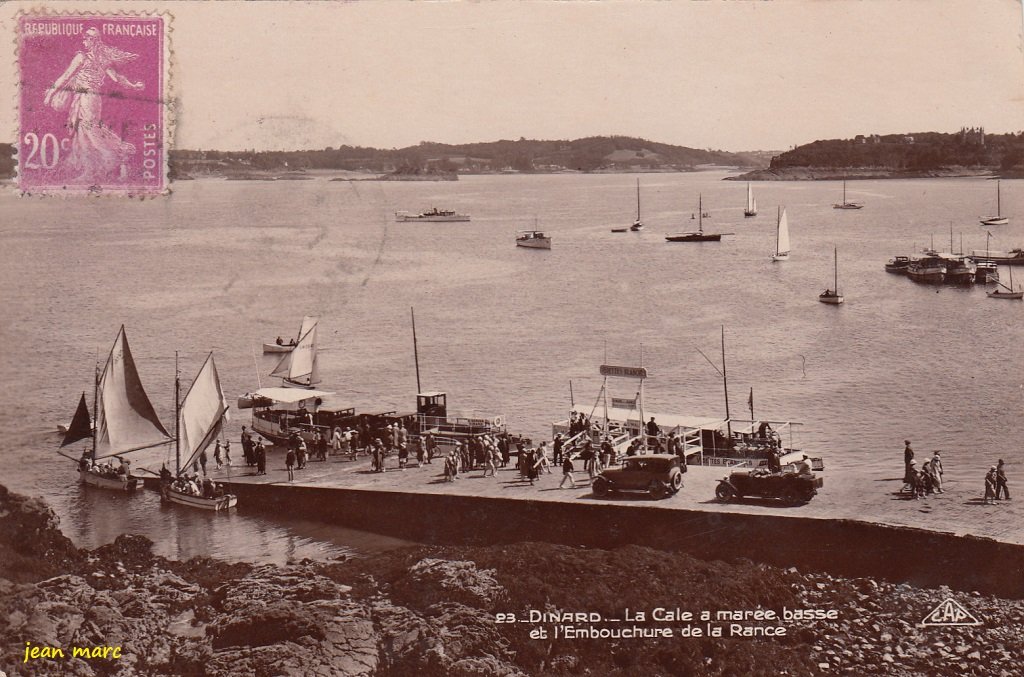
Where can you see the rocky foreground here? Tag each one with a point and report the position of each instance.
(437, 611)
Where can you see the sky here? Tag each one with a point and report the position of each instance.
(741, 75)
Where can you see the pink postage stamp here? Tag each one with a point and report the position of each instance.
(93, 103)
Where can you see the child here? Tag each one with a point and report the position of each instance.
(567, 468)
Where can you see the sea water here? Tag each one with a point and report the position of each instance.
(226, 265)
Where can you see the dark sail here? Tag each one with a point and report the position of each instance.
(81, 424)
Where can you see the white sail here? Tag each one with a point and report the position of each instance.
(751, 202)
(125, 419)
(783, 243)
(202, 413)
(300, 366)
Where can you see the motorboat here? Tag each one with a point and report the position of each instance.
(433, 215)
(898, 264)
(533, 239)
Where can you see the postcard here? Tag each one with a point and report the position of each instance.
(511, 338)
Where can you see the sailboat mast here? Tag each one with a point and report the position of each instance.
(700, 213)
(638, 199)
(778, 226)
(95, 401)
(725, 386)
(415, 350)
(177, 418)
(999, 201)
(835, 281)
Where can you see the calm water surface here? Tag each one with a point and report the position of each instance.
(225, 265)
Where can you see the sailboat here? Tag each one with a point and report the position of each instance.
(781, 238)
(1010, 293)
(300, 368)
(699, 235)
(751, 209)
(998, 219)
(832, 296)
(845, 204)
(125, 422)
(637, 224)
(199, 421)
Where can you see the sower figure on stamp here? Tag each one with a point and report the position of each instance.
(96, 151)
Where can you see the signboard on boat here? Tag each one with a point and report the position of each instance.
(623, 372)
(621, 403)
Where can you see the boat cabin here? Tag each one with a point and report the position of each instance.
(698, 435)
(278, 412)
(433, 417)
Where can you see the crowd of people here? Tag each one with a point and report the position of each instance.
(190, 484)
(921, 482)
(106, 469)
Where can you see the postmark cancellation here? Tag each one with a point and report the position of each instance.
(93, 103)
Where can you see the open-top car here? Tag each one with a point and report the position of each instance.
(660, 475)
(790, 485)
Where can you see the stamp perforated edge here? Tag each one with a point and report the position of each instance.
(167, 97)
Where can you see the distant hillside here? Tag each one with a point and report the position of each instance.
(969, 151)
(616, 153)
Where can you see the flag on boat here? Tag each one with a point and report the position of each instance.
(125, 418)
(750, 402)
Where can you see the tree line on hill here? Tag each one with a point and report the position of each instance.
(524, 155)
(611, 153)
(910, 152)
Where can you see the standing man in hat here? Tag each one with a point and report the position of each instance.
(1001, 487)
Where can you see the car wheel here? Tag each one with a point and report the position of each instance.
(601, 487)
(791, 496)
(724, 492)
(658, 490)
(677, 482)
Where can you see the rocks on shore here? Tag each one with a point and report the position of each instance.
(841, 173)
(433, 611)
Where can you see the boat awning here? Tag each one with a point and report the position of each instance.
(665, 421)
(290, 395)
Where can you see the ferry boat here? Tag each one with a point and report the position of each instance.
(959, 270)
(704, 440)
(434, 215)
(929, 269)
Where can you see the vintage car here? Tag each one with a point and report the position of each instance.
(790, 485)
(659, 475)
